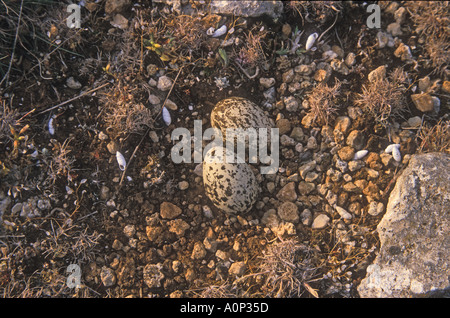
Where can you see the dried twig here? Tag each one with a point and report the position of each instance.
(245, 72)
(72, 99)
(146, 133)
(6, 77)
(325, 32)
(170, 91)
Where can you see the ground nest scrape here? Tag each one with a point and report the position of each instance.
(71, 98)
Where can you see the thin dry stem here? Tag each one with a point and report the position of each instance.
(384, 98)
(434, 138)
(322, 101)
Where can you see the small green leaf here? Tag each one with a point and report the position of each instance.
(282, 51)
(224, 56)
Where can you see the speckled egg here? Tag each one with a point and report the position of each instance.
(232, 187)
(238, 112)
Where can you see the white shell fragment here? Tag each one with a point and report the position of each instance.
(310, 42)
(391, 147)
(220, 31)
(121, 161)
(396, 154)
(210, 31)
(343, 213)
(436, 103)
(51, 128)
(360, 154)
(166, 116)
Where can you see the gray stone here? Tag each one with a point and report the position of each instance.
(355, 165)
(270, 94)
(107, 276)
(394, 29)
(119, 21)
(415, 246)
(183, 185)
(415, 121)
(16, 209)
(403, 52)
(270, 218)
(343, 124)
(423, 102)
(291, 104)
(73, 83)
(164, 83)
(237, 269)
(169, 210)
(129, 230)
(297, 133)
(377, 74)
(385, 39)
(355, 139)
(247, 8)
(306, 188)
(320, 222)
(311, 176)
(331, 197)
(288, 212)
(343, 213)
(267, 82)
(342, 165)
(153, 99)
(116, 6)
(178, 226)
(375, 208)
(153, 275)
(350, 60)
(311, 143)
(287, 193)
(287, 141)
(288, 76)
(306, 217)
(199, 251)
(270, 187)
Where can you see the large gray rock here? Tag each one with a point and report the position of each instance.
(241, 8)
(247, 8)
(414, 258)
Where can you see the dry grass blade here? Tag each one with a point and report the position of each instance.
(435, 138)
(322, 102)
(251, 54)
(61, 162)
(74, 98)
(8, 118)
(432, 19)
(288, 267)
(384, 98)
(6, 77)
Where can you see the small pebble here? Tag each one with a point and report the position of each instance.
(73, 84)
(320, 222)
(183, 185)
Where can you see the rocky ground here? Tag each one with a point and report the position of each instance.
(74, 97)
